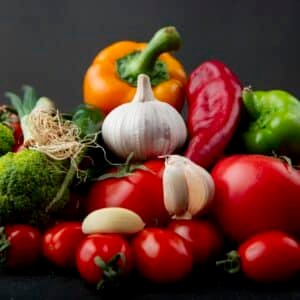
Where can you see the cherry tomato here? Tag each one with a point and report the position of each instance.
(140, 192)
(20, 245)
(103, 257)
(60, 243)
(162, 255)
(204, 238)
(266, 257)
(256, 193)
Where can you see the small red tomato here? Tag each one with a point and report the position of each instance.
(60, 243)
(266, 257)
(204, 238)
(162, 255)
(20, 245)
(103, 257)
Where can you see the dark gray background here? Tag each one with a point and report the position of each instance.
(50, 44)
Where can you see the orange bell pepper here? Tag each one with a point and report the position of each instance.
(111, 79)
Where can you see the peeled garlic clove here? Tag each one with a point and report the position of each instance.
(175, 189)
(112, 220)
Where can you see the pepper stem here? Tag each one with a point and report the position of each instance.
(249, 100)
(130, 66)
(165, 40)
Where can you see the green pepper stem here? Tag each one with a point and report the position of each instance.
(165, 40)
(249, 100)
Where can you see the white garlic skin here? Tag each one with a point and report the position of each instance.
(188, 188)
(146, 127)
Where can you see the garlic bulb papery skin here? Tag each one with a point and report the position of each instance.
(145, 127)
(188, 188)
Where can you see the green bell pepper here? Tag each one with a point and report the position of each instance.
(275, 124)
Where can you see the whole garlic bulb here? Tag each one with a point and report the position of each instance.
(145, 127)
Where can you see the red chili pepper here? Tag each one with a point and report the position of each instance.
(214, 107)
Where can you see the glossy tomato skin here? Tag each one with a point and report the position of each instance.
(256, 193)
(269, 257)
(106, 246)
(161, 255)
(140, 192)
(24, 245)
(205, 240)
(60, 243)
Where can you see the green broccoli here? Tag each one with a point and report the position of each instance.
(29, 181)
(35, 182)
(6, 139)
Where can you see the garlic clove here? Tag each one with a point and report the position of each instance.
(112, 220)
(175, 189)
(188, 188)
(199, 187)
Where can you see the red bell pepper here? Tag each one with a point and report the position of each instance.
(214, 108)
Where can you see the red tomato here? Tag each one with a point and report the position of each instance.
(256, 193)
(60, 243)
(270, 256)
(18, 135)
(107, 247)
(23, 245)
(203, 237)
(161, 255)
(140, 192)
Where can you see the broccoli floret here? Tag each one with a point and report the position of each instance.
(29, 181)
(6, 139)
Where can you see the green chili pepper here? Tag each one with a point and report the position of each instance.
(275, 122)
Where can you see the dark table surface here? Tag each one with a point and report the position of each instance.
(45, 282)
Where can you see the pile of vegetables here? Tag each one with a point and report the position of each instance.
(126, 182)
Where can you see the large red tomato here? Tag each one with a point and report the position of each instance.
(256, 193)
(141, 192)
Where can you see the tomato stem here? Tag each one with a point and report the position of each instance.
(111, 270)
(124, 169)
(232, 263)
